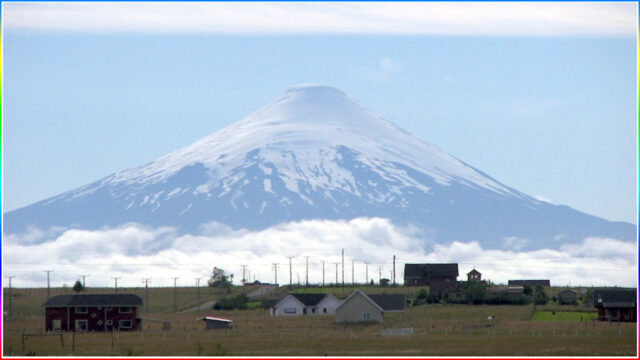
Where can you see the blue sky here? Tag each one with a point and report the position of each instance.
(550, 109)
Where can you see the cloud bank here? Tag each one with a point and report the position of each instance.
(134, 252)
(441, 18)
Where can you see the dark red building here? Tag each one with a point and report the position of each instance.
(616, 304)
(93, 312)
(441, 278)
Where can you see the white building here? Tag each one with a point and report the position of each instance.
(306, 304)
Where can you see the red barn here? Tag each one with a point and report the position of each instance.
(93, 312)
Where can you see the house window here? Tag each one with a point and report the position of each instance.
(125, 324)
(56, 325)
(366, 316)
(313, 310)
(126, 309)
(81, 310)
(82, 325)
(290, 310)
(324, 310)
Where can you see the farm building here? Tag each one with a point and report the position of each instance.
(217, 322)
(474, 275)
(441, 278)
(567, 297)
(305, 304)
(510, 290)
(360, 307)
(616, 304)
(543, 283)
(98, 312)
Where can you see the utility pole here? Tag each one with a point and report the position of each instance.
(366, 272)
(322, 272)
(116, 280)
(290, 272)
(48, 287)
(146, 294)
(337, 273)
(198, 293)
(343, 267)
(275, 270)
(379, 274)
(84, 285)
(10, 297)
(306, 273)
(244, 270)
(353, 273)
(394, 270)
(175, 294)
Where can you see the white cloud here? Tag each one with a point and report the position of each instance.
(514, 242)
(133, 252)
(491, 18)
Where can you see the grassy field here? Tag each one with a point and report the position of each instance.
(564, 316)
(437, 330)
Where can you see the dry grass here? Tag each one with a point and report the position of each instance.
(438, 330)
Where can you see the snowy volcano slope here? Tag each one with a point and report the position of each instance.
(316, 153)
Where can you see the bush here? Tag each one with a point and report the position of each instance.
(238, 302)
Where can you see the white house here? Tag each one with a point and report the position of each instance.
(306, 304)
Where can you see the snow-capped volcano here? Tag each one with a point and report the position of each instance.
(314, 152)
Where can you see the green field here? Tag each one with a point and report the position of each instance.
(437, 330)
(564, 316)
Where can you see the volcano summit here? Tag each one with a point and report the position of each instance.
(315, 153)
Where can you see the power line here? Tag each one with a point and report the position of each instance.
(275, 270)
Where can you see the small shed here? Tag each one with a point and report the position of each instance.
(217, 322)
(567, 297)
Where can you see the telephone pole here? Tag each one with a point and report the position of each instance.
(322, 272)
(290, 272)
(275, 271)
(394, 270)
(116, 280)
(244, 270)
(337, 273)
(366, 272)
(10, 297)
(146, 293)
(306, 273)
(198, 293)
(380, 274)
(343, 267)
(175, 294)
(48, 287)
(353, 273)
(84, 285)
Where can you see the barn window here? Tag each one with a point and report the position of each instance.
(290, 310)
(125, 309)
(125, 324)
(82, 325)
(81, 310)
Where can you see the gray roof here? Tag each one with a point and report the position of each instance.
(417, 271)
(532, 282)
(309, 299)
(94, 300)
(389, 302)
(613, 297)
